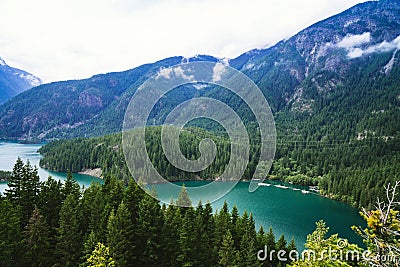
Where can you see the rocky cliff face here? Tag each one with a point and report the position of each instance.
(323, 54)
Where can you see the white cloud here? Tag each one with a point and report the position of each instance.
(165, 73)
(69, 39)
(381, 47)
(218, 70)
(355, 52)
(179, 72)
(351, 41)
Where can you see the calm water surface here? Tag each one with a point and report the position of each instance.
(10, 151)
(286, 210)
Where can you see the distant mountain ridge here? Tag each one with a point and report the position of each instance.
(14, 81)
(313, 78)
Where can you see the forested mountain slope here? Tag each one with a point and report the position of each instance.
(343, 70)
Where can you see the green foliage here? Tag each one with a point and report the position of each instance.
(14, 182)
(88, 247)
(100, 257)
(228, 255)
(11, 236)
(382, 234)
(183, 198)
(37, 236)
(66, 226)
(120, 232)
(69, 236)
(344, 170)
(328, 251)
(337, 118)
(136, 230)
(148, 238)
(23, 188)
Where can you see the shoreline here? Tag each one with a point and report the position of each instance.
(97, 172)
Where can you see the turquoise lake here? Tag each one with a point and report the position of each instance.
(288, 211)
(10, 151)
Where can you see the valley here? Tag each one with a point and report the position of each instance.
(82, 187)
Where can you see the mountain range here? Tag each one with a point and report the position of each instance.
(337, 79)
(14, 81)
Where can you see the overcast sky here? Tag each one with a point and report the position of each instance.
(72, 39)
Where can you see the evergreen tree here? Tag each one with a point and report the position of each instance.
(102, 231)
(237, 227)
(222, 223)
(50, 202)
(98, 211)
(71, 186)
(281, 246)
(88, 247)
(148, 238)
(228, 256)
(248, 253)
(69, 246)
(133, 194)
(13, 193)
(11, 241)
(240, 229)
(290, 249)
(206, 254)
(92, 204)
(261, 239)
(170, 235)
(187, 240)
(271, 245)
(113, 190)
(29, 191)
(183, 198)
(120, 232)
(37, 236)
(23, 188)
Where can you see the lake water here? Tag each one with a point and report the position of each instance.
(288, 211)
(10, 151)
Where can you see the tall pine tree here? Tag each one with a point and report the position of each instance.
(69, 246)
(13, 193)
(11, 241)
(120, 232)
(228, 255)
(37, 237)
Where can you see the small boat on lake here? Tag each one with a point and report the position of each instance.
(314, 189)
(281, 186)
(264, 184)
